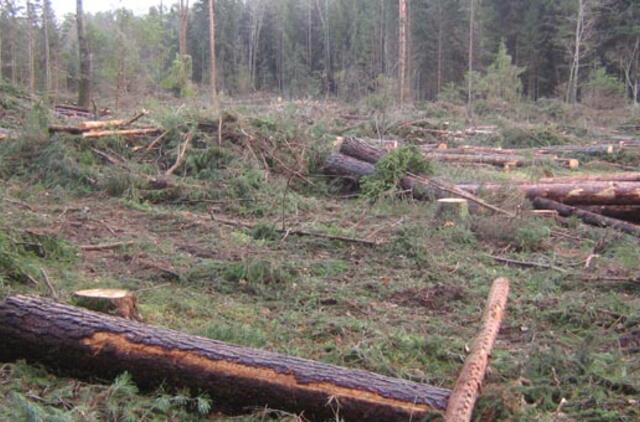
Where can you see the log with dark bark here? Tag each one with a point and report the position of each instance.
(588, 193)
(586, 216)
(630, 213)
(88, 344)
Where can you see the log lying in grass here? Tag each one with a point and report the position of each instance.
(238, 379)
(465, 393)
(125, 133)
(589, 193)
(630, 213)
(349, 167)
(586, 216)
(366, 151)
(611, 177)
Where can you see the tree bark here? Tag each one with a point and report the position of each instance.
(587, 216)
(465, 393)
(591, 193)
(89, 344)
(84, 83)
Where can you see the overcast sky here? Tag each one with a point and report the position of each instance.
(62, 7)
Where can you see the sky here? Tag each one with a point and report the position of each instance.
(62, 7)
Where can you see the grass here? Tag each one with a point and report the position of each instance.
(408, 308)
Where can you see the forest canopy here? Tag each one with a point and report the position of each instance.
(343, 48)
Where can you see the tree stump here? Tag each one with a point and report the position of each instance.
(452, 211)
(109, 301)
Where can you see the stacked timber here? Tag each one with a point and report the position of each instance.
(609, 200)
(367, 150)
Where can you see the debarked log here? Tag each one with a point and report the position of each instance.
(239, 379)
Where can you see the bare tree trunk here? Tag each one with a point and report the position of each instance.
(440, 48)
(309, 36)
(46, 11)
(183, 11)
(572, 88)
(402, 50)
(471, 30)
(213, 69)
(31, 50)
(84, 86)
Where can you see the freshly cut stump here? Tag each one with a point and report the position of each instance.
(452, 210)
(119, 302)
(239, 379)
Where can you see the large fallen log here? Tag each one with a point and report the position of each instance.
(611, 177)
(88, 344)
(349, 167)
(630, 213)
(465, 393)
(590, 193)
(586, 216)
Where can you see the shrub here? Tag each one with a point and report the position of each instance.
(603, 91)
(393, 167)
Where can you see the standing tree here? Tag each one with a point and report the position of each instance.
(183, 12)
(46, 11)
(84, 85)
(402, 50)
(213, 79)
(31, 50)
(470, 66)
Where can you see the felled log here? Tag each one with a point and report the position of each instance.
(611, 177)
(128, 133)
(591, 193)
(113, 124)
(630, 213)
(116, 301)
(88, 344)
(586, 216)
(348, 167)
(465, 393)
(366, 151)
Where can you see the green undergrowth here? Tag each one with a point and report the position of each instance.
(407, 308)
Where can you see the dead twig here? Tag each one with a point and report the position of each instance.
(106, 246)
(288, 232)
(526, 264)
(49, 284)
(182, 153)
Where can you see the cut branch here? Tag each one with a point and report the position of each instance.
(182, 154)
